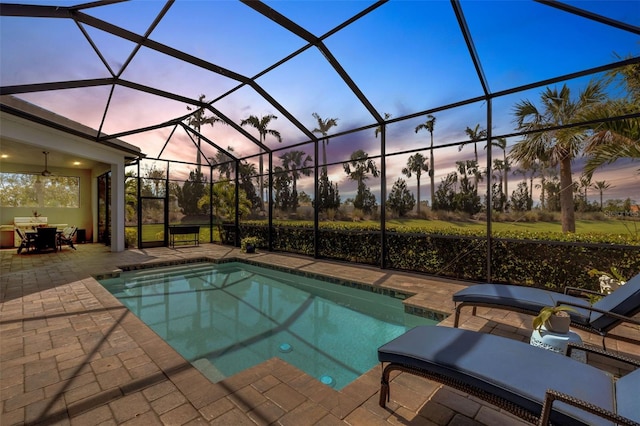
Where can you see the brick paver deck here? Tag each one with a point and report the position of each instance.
(70, 353)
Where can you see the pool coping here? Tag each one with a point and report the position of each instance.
(405, 296)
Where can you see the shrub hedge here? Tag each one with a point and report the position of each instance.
(548, 260)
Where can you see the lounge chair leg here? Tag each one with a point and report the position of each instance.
(385, 392)
(456, 320)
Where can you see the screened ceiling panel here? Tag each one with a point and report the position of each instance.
(228, 34)
(399, 70)
(157, 70)
(115, 50)
(538, 42)
(45, 50)
(318, 16)
(627, 11)
(84, 105)
(341, 147)
(316, 87)
(184, 145)
(245, 102)
(120, 14)
(154, 141)
(131, 108)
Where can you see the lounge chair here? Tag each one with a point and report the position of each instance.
(514, 376)
(600, 318)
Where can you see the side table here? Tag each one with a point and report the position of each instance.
(557, 342)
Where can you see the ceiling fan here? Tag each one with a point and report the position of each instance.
(46, 171)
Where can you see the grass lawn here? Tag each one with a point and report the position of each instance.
(628, 227)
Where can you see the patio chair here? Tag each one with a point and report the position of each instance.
(26, 242)
(610, 311)
(522, 379)
(46, 239)
(66, 237)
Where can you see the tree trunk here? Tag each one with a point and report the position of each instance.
(506, 171)
(431, 173)
(418, 179)
(261, 184)
(324, 156)
(566, 196)
(198, 156)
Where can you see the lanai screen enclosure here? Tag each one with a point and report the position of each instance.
(288, 120)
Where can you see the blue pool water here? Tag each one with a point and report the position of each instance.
(224, 318)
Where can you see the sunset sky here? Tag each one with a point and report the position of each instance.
(405, 57)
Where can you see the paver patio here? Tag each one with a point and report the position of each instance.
(70, 353)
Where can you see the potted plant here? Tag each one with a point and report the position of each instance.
(609, 281)
(249, 244)
(554, 318)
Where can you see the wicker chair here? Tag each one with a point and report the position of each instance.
(515, 376)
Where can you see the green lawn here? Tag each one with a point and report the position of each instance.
(628, 227)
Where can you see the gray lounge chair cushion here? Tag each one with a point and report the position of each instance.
(624, 301)
(513, 370)
(628, 396)
(524, 298)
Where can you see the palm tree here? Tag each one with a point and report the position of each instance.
(323, 129)
(261, 124)
(224, 163)
(357, 169)
(581, 188)
(429, 125)
(196, 120)
(502, 144)
(475, 135)
(296, 163)
(246, 172)
(416, 164)
(611, 140)
(601, 186)
(379, 128)
(560, 146)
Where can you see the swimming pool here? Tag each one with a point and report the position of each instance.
(227, 317)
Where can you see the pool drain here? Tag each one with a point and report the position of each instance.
(285, 348)
(327, 380)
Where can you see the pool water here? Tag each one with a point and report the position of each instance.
(227, 317)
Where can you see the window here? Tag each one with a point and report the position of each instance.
(35, 190)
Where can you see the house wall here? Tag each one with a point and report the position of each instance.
(112, 154)
(82, 217)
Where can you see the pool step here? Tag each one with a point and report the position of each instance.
(154, 278)
(209, 370)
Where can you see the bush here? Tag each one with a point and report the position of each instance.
(547, 260)
(131, 237)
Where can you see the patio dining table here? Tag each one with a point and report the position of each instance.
(32, 234)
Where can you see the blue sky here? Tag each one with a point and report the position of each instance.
(405, 56)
